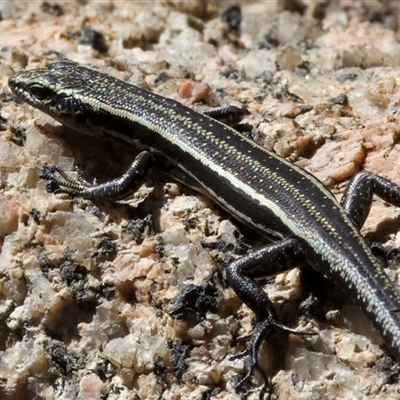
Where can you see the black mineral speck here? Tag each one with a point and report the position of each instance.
(19, 136)
(141, 228)
(65, 362)
(161, 78)
(72, 272)
(340, 100)
(35, 214)
(194, 300)
(52, 9)
(94, 39)
(233, 17)
(159, 370)
(179, 352)
(106, 246)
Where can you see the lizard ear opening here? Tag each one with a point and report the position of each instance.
(67, 104)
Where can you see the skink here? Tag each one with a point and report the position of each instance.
(255, 185)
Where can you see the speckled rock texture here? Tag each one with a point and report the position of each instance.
(128, 300)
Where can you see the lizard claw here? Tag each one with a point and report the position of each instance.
(261, 331)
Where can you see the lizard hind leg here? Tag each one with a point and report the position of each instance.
(241, 275)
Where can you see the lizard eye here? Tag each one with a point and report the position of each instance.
(40, 93)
